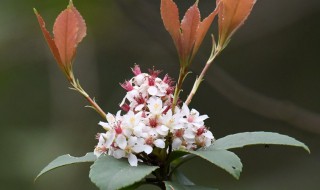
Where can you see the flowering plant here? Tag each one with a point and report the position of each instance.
(155, 132)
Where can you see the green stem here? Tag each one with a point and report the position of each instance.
(76, 86)
(201, 76)
(182, 75)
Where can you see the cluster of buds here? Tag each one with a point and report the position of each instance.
(150, 123)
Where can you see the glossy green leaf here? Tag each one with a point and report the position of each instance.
(252, 138)
(67, 160)
(109, 173)
(222, 158)
(177, 186)
(181, 178)
(175, 155)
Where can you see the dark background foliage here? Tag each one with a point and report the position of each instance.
(266, 80)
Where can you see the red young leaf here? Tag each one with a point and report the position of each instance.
(170, 18)
(68, 31)
(203, 29)
(48, 38)
(65, 30)
(232, 15)
(82, 25)
(189, 26)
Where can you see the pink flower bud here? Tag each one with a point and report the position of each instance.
(136, 70)
(127, 86)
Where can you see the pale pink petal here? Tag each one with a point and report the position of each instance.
(133, 161)
(147, 149)
(121, 141)
(176, 143)
(105, 125)
(119, 154)
(159, 143)
(152, 90)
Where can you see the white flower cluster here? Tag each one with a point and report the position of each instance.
(149, 122)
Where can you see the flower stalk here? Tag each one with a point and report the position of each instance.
(214, 53)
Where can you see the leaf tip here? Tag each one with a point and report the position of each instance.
(307, 148)
(70, 3)
(35, 11)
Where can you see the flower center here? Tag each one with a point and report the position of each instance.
(190, 118)
(118, 130)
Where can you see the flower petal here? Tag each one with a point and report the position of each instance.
(133, 161)
(176, 143)
(152, 90)
(121, 141)
(105, 125)
(159, 143)
(147, 149)
(119, 154)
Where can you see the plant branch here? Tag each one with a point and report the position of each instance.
(76, 86)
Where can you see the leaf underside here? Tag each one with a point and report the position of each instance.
(67, 160)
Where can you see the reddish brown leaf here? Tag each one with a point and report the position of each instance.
(82, 25)
(203, 29)
(170, 17)
(189, 26)
(232, 15)
(66, 34)
(48, 38)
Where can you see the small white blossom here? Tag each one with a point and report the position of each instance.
(149, 121)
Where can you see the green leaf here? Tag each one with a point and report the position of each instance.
(177, 186)
(67, 160)
(252, 138)
(133, 186)
(222, 158)
(109, 173)
(175, 155)
(181, 178)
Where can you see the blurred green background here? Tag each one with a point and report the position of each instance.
(266, 80)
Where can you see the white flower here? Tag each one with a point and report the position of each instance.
(111, 121)
(155, 105)
(100, 148)
(135, 145)
(162, 86)
(132, 120)
(148, 121)
(162, 130)
(172, 121)
(139, 79)
(192, 117)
